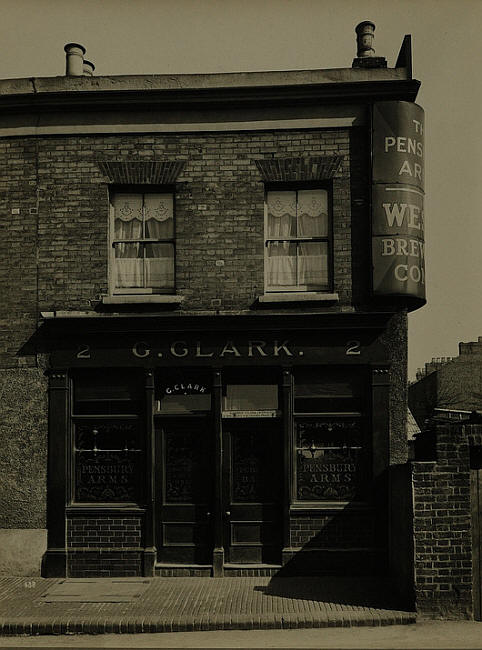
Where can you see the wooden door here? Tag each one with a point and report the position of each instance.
(185, 490)
(253, 490)
(476, 501)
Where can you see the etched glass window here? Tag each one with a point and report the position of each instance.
(107, 461)
(329, 459)
(142, 233)
(108, 445)
(331, 452)
(297, 240)
(187, 391)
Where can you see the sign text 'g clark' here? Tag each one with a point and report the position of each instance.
(398, 250)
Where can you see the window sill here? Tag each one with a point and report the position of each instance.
(298, 296)
(143, 299)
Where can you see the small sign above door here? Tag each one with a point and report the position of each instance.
(272, 413)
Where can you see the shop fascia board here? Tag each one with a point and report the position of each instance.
(212, 321)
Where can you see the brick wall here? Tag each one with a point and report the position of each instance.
(441, 526)
(104, 546)
(104, 531)
(56, 247)
(332, 543)
(18, 244)
(334, 530)
(104, 564)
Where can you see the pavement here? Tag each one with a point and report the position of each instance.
(40, 606)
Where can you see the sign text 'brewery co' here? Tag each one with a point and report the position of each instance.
(398, 251)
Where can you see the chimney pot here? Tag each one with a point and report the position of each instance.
(365, 33)
(74, 64)
(88, 68)
(365, 57)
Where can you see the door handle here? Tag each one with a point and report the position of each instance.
(228, 513)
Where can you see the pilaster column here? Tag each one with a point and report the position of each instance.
(58, 475)
(219, 505)
(380, 381)
(286, 404)
(150, 552)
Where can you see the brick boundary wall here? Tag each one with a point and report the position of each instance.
(442, 525)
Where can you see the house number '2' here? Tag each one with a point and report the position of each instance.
(353, 347)
(83, 352)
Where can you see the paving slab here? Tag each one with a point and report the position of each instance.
(151, 605)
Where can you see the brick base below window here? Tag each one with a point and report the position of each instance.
(100, 563)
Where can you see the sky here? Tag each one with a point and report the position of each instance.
(190, 36)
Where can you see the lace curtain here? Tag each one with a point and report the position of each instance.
(297, 214)
(140, 263)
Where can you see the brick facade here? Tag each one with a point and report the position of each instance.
(56, 247)
(104, 564)
(442, 525)
(335, 530)
(54, 191)
(100, 545)
(101, 531)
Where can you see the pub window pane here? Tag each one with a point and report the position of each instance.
(297, 240)
(321, 390)
(182, 392)
(107, 392)
(108, 461)
(250, 397)
(142, 237)
(329, 459)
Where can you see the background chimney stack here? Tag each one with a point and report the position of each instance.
(365, 55)
(74, 64)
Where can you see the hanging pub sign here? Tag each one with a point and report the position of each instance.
(398, 252)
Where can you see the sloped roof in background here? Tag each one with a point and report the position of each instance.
(412, 426)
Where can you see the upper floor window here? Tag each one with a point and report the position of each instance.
(142, 238)
(297, 240)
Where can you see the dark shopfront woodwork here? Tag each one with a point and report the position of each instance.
(219, 459)
(248, 460)
(253, 488)
(251, 474)
(185, 490)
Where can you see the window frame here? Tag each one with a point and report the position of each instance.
(359, 413)
(290, 187)
(136, 416)
(115, 190)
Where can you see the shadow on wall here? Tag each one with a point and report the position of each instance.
(350, 541)
(345, 562)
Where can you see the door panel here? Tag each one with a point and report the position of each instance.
(252, 481)
(185, 491)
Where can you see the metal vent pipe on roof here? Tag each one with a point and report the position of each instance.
(74, 64)
(364, 39)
